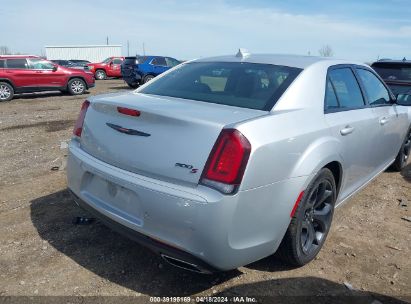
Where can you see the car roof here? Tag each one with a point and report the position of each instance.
(18, 56)
(390, 61)
(297, 61)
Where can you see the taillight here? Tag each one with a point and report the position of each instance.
(225, 166)
(78, 127)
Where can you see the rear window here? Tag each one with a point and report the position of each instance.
(393, 72)
(245, 85)
(2, 64)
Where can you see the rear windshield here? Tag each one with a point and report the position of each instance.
(394, 72)
(245, 85)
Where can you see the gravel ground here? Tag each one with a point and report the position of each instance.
(43, 254)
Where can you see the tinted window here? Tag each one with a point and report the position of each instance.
(159, 61)
(2, 64)
(393, 72)
(117, 61)
(171, 62)
(17, 63)
(331, 101)
(141, 59)
(376, 92)
(346, 88)
(246, 85)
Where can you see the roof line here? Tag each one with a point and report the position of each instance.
(82, 46)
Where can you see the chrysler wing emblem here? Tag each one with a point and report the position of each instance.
(126, 130)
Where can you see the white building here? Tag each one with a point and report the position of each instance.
(92, 53)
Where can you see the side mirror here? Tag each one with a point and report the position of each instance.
(404, 99)
(55, 68)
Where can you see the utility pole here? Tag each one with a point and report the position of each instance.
(128, 48)
(144, 49)
(107, 40)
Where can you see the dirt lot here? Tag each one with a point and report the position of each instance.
(43, 253)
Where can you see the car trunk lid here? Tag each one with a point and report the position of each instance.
(170, 139)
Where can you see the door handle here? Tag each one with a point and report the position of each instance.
(384, 120)
(347, 130)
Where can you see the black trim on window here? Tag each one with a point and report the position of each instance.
(392, 96)
(334, 110)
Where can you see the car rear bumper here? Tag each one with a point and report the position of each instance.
(197, 225)
(170, 254)
(132, 78)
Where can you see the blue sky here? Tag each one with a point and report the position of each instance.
(359, 30)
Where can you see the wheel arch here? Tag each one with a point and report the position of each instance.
(322, 153)
(79, 77)
(10, 82)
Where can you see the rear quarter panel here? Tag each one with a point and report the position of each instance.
(295, 139)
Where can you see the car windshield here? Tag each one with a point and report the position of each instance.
(394, 72)
(107, 60)
(245, 85)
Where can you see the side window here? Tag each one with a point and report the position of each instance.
(171, 62)
(117, 61)
(2, 64)
(17, 64)
(331, 101)
(346, 88)
(159, 61)
(40, 64)
(376, 92)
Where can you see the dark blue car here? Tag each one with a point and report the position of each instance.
(141, 69)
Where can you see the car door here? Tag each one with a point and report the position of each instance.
(17, 70)
(159, 65)
(47, 75)
(389, 121)
(350, 120)
(115, 67)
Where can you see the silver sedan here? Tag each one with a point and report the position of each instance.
(222, 161)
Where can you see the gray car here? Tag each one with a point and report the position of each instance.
(222, 161)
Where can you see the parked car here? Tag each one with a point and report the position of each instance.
(222, 161)
(80, 61)
(70, 64)
(141, 69)
(110, 67)
(396, 73)
(24, 74)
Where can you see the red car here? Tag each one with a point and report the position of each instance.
(110, 67)
(24, 74)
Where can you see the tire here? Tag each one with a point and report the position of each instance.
(76, 86)
(403, 155)
(100, 75)
(311, 222)
(6, 91)
(133, 85)
(147, 78)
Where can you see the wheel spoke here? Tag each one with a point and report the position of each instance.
(309, 236)
(325, 195)
(322, 216)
